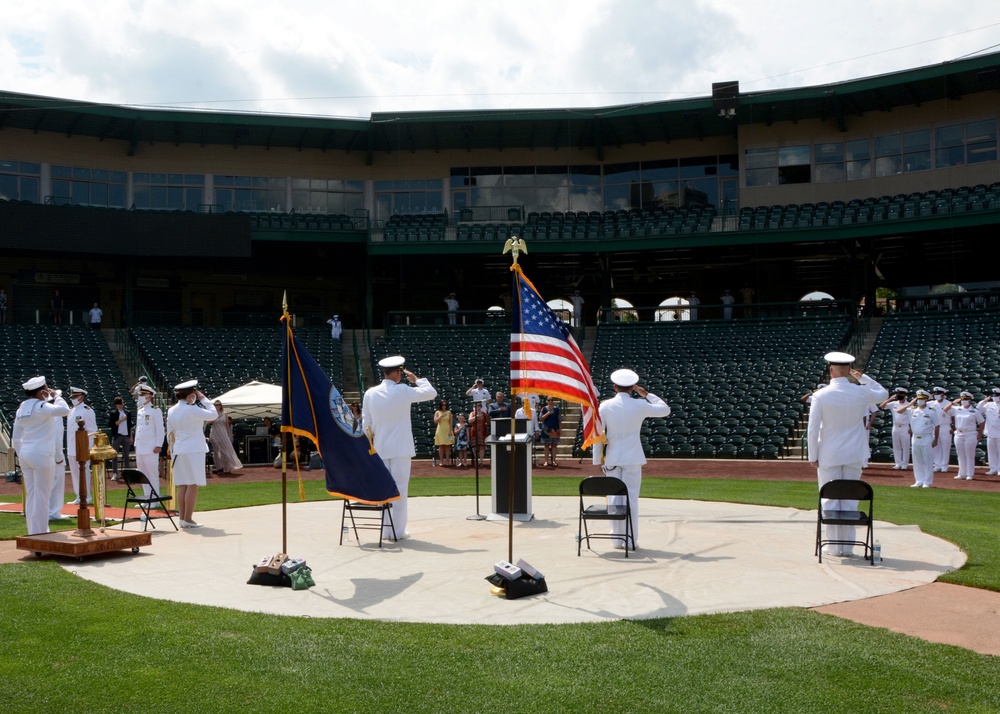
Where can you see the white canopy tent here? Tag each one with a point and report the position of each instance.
(255, 399)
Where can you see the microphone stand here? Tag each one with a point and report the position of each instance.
(475, 462)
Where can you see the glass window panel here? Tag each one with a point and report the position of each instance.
(616, 197)
(61, 189)
(518, 170)
(80, 191)
(552, 199)
(8, 187)
(194, 179)
(242, 181)
(887, 165)
(949, 136)
(697, 166)
(434, 184)
(665, 170)
(793, 156)
(858, 150)
(116, 195)
(192, 198)
(729, 165)
(99, 175)
(140, 178)
(417, 203)
(585, 176)
(830, 152)
(383, 185)
(99, 194)
(81, 173)
(157, 197)
(29, 167)
(224, 198)
(8, 166)
(223, 180)
(433, 202)
(176, 179)
(621, 173)
(519, 180)
(760, 159)
(794, 174)
(701, 192)
(352, 202)
(158, 178)
(140, 198)
(401, 203)
(917, 161)
(299, 184)
(952, 156)
(354, 185)
(118, 176)
(275, 198)
(979, 153)
(29, 189)
(859, 170)
(62, 172)
(175, 198)
(661, 194)
(585, 198)
(401, 185)
(916, 141)
(978, 131)
(887, 146)
(829, 173)
(301, 201)
(762, 177)
(552, 176)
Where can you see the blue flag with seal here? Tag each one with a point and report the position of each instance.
(312, 407)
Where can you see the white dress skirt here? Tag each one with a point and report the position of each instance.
(189, 469)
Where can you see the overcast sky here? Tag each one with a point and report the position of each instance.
(349, 59)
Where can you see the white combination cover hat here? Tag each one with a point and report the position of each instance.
(77, 390)
(34, 383)
(190, 384)
(624, 378)
(838, 358)
(391, 362)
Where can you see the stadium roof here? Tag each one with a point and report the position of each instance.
(582, 128)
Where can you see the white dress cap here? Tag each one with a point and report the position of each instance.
(624, 378)
(146, 389)
(190, 384)
(77, 390)
(34, 383)
(391, 362)
(838, 358)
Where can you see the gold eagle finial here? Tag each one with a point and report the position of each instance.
(515, 246)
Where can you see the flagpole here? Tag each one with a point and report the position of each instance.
(284, 437)
(515, 246)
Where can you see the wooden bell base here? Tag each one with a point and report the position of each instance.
(74, 544)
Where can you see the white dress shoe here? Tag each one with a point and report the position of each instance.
(74, 502)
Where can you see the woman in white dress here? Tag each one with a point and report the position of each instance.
(224, 458)
(186, 437)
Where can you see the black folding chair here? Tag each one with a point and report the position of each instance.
(134, 481)
(371, 517)
(597, 486)
(846, 490)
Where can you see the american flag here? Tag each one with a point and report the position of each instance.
(545, 359)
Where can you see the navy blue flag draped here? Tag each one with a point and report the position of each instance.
(313, 408)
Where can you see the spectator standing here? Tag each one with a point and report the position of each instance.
(498, 408)
(57, 308)
(224, 458)
(550, 424)
(444, 433)
(747, 293)
(478, 393)
(96, 314)
(3, 306)
(120, 422)
(479, 429)
(462, 441)
(727, 300)
(452, 304)
(577, 299)
(693, 303)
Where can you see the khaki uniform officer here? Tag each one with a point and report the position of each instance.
(34, 442)
(623, 457)
(385, 413)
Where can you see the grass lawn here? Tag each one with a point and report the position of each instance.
(68, 641)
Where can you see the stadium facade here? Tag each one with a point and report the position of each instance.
(198, 217)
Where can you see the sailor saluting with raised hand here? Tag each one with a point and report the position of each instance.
(623, 457)
(34, 437)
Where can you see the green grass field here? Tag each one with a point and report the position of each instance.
(71, 643)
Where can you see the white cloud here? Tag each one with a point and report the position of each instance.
(354, 58)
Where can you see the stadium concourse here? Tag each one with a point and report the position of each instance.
(763, 555)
